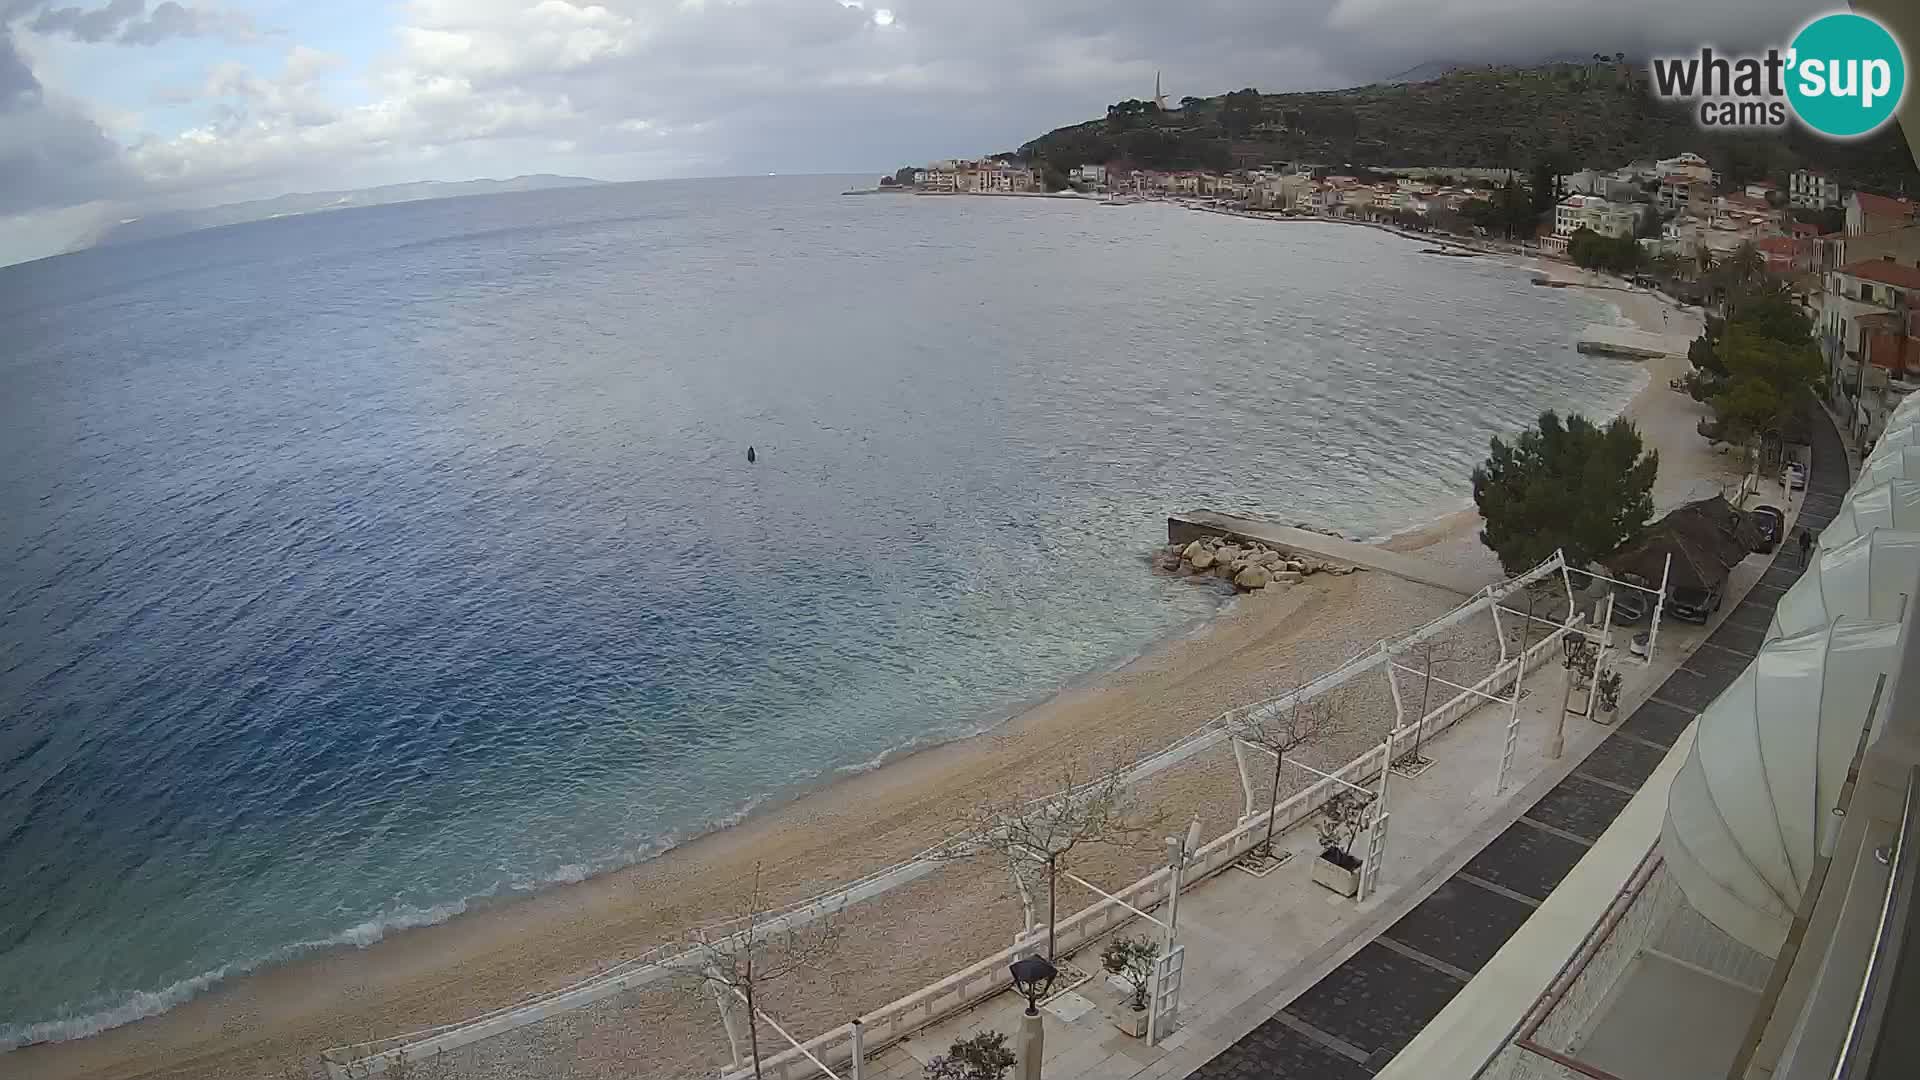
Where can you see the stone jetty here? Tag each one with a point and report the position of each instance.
(1249, 565)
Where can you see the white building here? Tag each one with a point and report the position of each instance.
(1090, 174)
(1685, 166)
(1592, 212)
(1813, 190)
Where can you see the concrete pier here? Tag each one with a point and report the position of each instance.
(1628, 342)
(1184, 528)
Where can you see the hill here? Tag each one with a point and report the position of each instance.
(1565, 115)
(171, 222)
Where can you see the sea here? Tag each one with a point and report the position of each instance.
(361, 567)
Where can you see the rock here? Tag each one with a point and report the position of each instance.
(1286, 577)
(1165, 560)
(1223, 571)
(1191, 550)
(1227, 553)
(1252, 577)
(1201, 559)
(1267, 558)
(1296, 567)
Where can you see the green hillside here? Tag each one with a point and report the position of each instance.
(1568, 116)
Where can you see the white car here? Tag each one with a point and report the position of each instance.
(1794, 477)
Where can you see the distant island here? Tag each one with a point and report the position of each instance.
(173, 222)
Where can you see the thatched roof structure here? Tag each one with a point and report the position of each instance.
(1706, 539)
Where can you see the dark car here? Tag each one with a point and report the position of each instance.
(1694, 605)
(1631, 606)
(1770, 521)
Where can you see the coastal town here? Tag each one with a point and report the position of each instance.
(1852, 258)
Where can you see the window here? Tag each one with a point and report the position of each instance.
(1866, 291)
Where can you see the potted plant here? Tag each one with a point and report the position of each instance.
(982, 1056)
(1132, 960)
(1338, 825)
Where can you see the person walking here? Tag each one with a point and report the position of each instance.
(1806, 545)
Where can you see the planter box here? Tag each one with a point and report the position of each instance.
(1336, 877)
(1131, 1021)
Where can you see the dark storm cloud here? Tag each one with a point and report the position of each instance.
(652, 87)
(51, 153)
(127, 22)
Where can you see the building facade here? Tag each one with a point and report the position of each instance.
(1809, 189)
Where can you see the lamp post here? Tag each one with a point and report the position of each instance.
(1032, 978)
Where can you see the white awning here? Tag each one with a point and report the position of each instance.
(1751, 809)
(1894, 504)
(1895, 439)
(1869, 577)
(1900, 464)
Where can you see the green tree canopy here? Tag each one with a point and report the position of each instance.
(1588, 249)
(1583, 490)
(1765, 381)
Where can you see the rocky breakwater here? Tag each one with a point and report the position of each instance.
(1249, 565)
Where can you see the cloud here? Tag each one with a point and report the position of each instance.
(127, 22)
(52, 153)
(631, 88)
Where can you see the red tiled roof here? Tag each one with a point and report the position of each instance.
(1880, 206)
(1780, 244)
(1885, 272)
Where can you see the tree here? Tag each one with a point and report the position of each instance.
(1432, 651)
(1590, 250)
(736, 959)
(1132, 959)
(1765, 382)
(1586, 491)
(1545, 188)
(1338, 826)
(1744, 266)
(983, 1056)
(1239, 111)
(1279, 730)
(1032, 835)
(904, 175)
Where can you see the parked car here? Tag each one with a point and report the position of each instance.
(1770, 522)
(1631, 606)
(1694, 605)
(1794, 477)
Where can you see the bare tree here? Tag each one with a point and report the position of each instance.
(1430, 651)
(1282, 729)
(734, 960)
(1044, 833)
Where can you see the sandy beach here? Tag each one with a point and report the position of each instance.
(273, 1023)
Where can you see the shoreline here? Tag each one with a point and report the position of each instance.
(501, 949)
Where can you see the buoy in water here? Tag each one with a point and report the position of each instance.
(749, 455)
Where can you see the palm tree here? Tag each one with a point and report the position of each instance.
(1746, 263)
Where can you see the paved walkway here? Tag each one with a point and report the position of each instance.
(1184, 527)
(1353, 1021)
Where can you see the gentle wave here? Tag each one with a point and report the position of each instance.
(489, 600)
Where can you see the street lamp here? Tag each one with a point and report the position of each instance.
(1032, 978)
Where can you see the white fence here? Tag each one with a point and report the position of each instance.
(959, 991)
(900, 1018)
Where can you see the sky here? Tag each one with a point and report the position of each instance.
(113, 108)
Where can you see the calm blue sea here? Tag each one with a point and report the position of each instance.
(359, 565)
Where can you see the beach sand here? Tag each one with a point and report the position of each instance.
(273, 1023)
